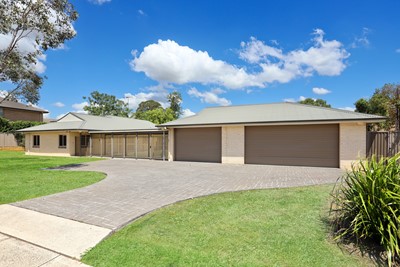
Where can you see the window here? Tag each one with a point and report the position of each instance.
(36, 141)
(1, 112)
(85, 139)
(62, 141)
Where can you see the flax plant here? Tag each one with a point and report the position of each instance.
(366, 204)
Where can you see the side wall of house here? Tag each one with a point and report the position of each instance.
(233, 144)
(22, 115)
(352, 143)
(49, 144)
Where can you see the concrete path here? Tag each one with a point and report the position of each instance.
(136, 187)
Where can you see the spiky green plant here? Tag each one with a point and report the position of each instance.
(366, 204)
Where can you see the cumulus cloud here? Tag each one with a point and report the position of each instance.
(187, 112)
(292, 100)
(167, 61)
(210, 97)
(78, 107)
(59, 104)
(320, 91)
(99, 2)
(157, 93)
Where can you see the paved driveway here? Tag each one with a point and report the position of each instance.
(135, 187)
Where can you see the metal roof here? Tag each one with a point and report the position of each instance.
(269, 114)
(18, 105)
(84, 122)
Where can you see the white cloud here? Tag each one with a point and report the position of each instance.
(209, 97)
(157, 93)
(255, 51)
(99, 2)
(361, 40)
(78, 107)
(3, 93)
(141, 12)
(167, 61)
(397, 50)
(320, 91)
(292, 100)
(59, 104)
(187, 112)
(348, 108)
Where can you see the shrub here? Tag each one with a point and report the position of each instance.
(366, 204)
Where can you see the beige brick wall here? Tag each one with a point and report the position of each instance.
(49, 144)
(171, 144)
(352, 143)
(233, 144)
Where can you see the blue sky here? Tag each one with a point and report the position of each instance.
(225, 52)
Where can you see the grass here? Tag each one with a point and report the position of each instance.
(276, 227)
(22, 177)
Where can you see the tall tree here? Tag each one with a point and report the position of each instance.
(28, 28)
(102, 104)
(385, 102)
(175, 100)
(315, 102)
(147, 105)
(156, 116)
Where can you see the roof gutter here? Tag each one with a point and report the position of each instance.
(368, 120)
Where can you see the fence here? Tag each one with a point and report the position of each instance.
(383, 144)
(7, 140)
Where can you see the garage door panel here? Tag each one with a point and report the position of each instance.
(198, 144)
(305, 145)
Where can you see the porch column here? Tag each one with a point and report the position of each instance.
(136, 145)
(112, 145)
(124, 145)
(101, 145)
(163, 145)
(90, 144)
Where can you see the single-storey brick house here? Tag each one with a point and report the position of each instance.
(78, 134)
(15, 111)
(276, 134)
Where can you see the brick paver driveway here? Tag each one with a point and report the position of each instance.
(135, 187)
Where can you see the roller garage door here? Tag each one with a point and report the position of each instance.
(300, 145)
(198, 144)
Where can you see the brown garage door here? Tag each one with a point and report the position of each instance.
(198, 144)
(303, 145)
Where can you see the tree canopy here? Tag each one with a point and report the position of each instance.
(147, 105)
(102, 104)
(157, 116)
(39, 25)
(315, 102)
(151, 110)
(385, 102)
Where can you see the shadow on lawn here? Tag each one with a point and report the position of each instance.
(361, 247)
(67, 167)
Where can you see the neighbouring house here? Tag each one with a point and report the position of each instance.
(16, 111)
(78, 134)
(276, 134)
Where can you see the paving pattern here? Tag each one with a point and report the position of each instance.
(135, 187)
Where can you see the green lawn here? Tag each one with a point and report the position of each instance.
(22, 177)
(277, 227)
